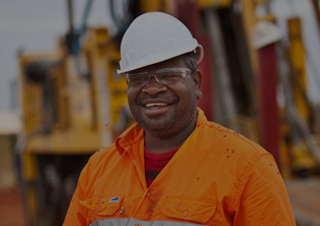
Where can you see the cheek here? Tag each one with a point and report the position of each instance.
(132, 95)
(187, 93)
(130, 98)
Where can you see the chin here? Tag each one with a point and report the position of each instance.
(162, 133)
(166, 130)
(157, 127)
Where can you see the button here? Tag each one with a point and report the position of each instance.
(185, 213)
(138, 224)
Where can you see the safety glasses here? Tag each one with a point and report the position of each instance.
(164, 76)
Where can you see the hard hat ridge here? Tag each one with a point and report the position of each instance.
(155, 37)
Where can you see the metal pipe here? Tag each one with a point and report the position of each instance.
(293, 110)
(70, 15)
(316, 9)
(77, 40)
(85, 16)
(224, 96)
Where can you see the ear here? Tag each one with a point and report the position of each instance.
(197, 79)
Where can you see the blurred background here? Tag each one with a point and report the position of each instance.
(61, 99)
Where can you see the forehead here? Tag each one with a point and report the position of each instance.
(177, 62)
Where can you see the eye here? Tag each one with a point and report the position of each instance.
(169, 75)
(137, 78)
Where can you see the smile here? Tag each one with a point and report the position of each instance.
(156, 105)
(156, 109)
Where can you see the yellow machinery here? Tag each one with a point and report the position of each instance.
(67, 118)
(302, 160)
(298, 65)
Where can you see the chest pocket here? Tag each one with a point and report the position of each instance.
(103, 206)
(188, 209)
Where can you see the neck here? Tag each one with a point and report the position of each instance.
(162, 145)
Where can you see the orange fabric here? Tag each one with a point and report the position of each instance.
(217, 177)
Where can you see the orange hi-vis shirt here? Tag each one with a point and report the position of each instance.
(217, 177)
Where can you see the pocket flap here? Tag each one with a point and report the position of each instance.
(188, 208)
(103, 206)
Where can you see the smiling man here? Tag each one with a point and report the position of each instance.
(174, 167)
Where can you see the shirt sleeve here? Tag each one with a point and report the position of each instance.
(76, 212)
(264, 199)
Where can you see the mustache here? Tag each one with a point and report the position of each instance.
(162, 96)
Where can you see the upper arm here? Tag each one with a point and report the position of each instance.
(264, 199)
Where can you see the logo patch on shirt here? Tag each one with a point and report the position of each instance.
(114, 199)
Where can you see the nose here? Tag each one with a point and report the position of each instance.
(153, 86)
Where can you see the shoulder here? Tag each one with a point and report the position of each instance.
(222, 137)
(252, 167)
(98, 163)
(106, 155)
(112, 154)
(236, 155)
(229, 140)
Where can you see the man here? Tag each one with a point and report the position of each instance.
(174, 166)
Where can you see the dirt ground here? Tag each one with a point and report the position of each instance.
(11, 208)
(305, 199)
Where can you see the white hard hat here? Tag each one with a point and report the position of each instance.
(155, 37)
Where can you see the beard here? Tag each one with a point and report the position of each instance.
(170, 124)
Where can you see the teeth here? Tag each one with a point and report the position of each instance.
(155, 104)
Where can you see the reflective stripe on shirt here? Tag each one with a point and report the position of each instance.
(135, 222)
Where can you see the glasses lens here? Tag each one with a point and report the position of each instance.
(137, 79)
(171, 75)
(165, 76)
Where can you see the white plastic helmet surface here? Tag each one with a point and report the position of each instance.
(155, 37)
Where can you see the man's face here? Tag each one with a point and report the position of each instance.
(165, 110)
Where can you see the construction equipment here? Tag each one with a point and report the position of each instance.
(67, 118)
